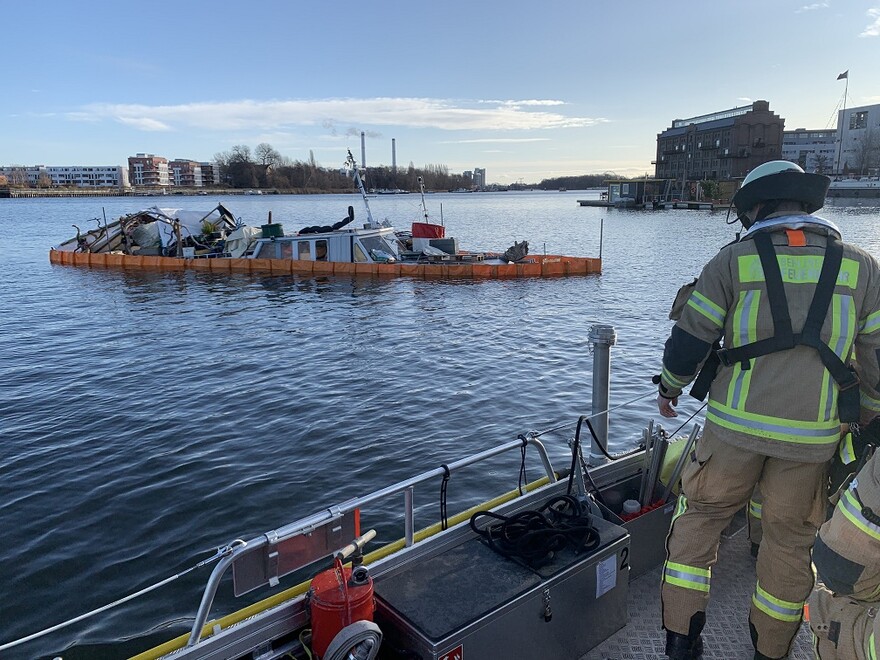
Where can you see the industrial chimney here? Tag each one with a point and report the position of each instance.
(363, 151)
(393, 155)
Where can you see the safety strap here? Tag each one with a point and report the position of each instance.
(784, 338)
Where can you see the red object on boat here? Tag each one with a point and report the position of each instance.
(428, 230)
(336, 603)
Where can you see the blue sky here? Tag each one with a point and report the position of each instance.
(527, 90)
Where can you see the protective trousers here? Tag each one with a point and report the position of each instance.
(843, 628)
(716, 483)
(754, 518)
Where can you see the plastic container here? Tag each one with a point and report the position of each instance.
(631, 506)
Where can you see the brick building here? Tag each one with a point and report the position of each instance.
(148, 170)
(721, 145)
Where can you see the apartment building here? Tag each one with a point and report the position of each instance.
(813, 150)
(148, 170)
(185, 173)
(68, 176)
(721, 145)
(858, 140)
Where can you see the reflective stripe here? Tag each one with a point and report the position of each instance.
(872, 648)
(797, 269)
(870, 324)
(755, 509)
(869, 402)
(782, 610)
(680, 507)
(745, 331)
(707, 308)
(774, 428)
(847, 452)
(687, 577)
(843, 323)
(850, 507)
(672, 379)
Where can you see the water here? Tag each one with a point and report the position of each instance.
(149, 417)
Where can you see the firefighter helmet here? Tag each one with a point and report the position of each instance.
(779, 180)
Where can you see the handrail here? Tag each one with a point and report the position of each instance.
(325, 515)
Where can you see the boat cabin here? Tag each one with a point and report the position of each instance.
(352, 246)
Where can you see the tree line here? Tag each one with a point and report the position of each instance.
(265, 167)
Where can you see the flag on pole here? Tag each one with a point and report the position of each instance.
(843, 75)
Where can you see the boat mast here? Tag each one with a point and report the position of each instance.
(424, 208)
(352, 165)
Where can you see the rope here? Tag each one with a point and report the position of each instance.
(221, 552)
(534, 536)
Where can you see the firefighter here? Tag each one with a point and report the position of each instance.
(847, 559)
(793, 306)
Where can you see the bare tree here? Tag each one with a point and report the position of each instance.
(241, 153)
(867, 149)
(267, 155)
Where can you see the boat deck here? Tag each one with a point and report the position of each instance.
(726, 635)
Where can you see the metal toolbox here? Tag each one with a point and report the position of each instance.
(646, 531)
(469, 601)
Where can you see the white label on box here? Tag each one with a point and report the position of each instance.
(606, 575)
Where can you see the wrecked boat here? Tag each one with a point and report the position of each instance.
(175, 239)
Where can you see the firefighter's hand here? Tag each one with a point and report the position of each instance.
(667, 406)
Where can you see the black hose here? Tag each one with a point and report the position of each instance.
(535, 536)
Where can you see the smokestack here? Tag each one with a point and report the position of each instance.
(363, 151)
(393, 155)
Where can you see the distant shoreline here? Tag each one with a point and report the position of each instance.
(25, 193)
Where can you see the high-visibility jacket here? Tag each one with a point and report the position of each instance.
(847, 552)
(782, 404)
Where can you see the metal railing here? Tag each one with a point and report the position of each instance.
(309, 523)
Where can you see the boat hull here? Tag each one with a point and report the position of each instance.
(534, 266)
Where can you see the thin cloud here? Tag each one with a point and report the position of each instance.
(812, 7)
(274, 115)
(873, 29)
(144, 124)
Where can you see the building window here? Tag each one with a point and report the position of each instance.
(858, 120)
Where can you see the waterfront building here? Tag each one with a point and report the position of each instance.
(67, 176)
(148, 170)
(858, 137)
(721, 145)
(813, 150)
(185, 173)
(89, 176)
(480, 177)
(210, 174)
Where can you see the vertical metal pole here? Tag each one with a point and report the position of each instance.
(602, 338)
(408, 526)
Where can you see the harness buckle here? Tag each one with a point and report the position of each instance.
(723, 357)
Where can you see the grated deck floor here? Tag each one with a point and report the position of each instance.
(726, 636)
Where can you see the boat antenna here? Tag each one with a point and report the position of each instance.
(351, 164)
(422, 191)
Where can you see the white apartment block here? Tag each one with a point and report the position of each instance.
(68, 176)
(815, 151)
(858, 135)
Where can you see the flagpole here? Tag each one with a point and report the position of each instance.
(842, 118)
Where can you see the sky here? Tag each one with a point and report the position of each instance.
(526, 90)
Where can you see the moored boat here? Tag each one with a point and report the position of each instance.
(457, 586)
(174, 239)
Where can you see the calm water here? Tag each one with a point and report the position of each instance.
(149, 417)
